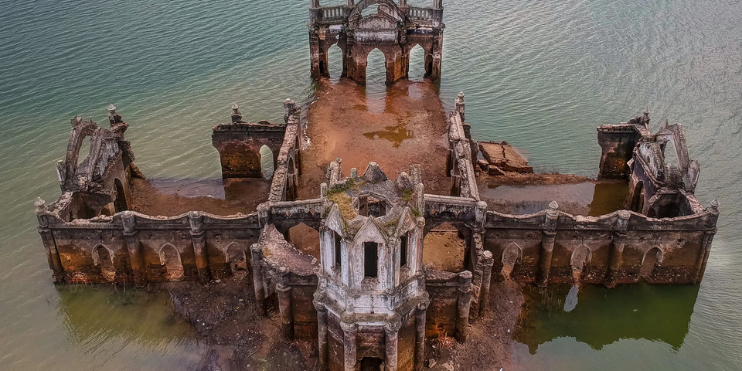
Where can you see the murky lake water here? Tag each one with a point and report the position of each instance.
(539, 74)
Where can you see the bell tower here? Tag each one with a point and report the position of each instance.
(371, 299)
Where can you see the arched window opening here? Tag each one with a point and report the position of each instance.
(370, 260)
(84, 152)
(370, 10)
(305, 239)
(236, 258)
(170, 258)
(267, 166)
(338, 250)
(417, 64)
(403, 241)
(445, 249)
(105, 263)
(335, 63)
(651, 260)
(120, 204)
(671, 154)
(510, 257)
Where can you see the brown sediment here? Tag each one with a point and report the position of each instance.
(409, 128)
(242, 197)
(238, 338)
(444, 249)
(489, 345)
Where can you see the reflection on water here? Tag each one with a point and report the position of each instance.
(395, 134)
(93, 314)
(603, 316)
(587, 198)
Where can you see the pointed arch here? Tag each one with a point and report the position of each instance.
(170, 258)
(267, 163)
(581, 256)
(651, 260)
(511, 255)
(120, 204)
(416, 67)
(103, 259)
(376, 68)
(236, 257)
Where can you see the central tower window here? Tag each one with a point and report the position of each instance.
(370, 259)
(338, 252)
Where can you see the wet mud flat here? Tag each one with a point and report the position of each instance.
(395, 126)
(530, 193)
(219, 197)
(224, 317)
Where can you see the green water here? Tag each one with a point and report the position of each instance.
(539, 74)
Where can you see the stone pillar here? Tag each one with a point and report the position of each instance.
(257, 277)
(617, 246)
(391, 330)
(314, 44)
(402, 3)
(350, 345)
(463, 305)
(321, 332)
(285, 305)
(350, 3)
(196, 219)
(136, 257)
(47, 238)
(547, 244)
(420, 314)
(484, 293)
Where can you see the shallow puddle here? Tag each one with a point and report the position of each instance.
(395, 134)
(587, 198)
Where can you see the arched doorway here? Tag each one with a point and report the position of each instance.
(580, 258)
(334, 63)
(375, 68)
(652, 259)
(170, 258)
(445, 248)
(104, 261)
(120, 203)
(416, 71)
(267, 165)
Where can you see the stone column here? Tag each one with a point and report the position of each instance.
(257, 277)
(391, 330)
(547, 244)
(136, 257)
(350, 345)
(321, 331)
(703, 256)
(47, 238)
(285, 307)
(461, 106)
(619, 242)
(484, 294)
(195, 218)
(314, 44)
(463, 305)
(420, 313)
